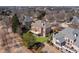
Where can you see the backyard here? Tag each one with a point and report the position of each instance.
(41, 39)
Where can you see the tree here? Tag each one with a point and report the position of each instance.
(15, 23)
(29, 39)
(41, 14)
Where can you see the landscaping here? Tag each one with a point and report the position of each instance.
(32, 41)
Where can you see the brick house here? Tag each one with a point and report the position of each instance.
(40, 27)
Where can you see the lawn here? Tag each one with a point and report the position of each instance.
(41, 39)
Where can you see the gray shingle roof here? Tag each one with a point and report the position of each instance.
(69, 33)
(27, 19)
(75, 20)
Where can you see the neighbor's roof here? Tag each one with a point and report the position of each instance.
(75, 20)
(27, 19)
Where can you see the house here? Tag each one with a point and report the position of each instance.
(40, 27)
(73, 23)
(67, 40)
(27, 20)
(75, 20)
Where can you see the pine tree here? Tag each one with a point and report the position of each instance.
(15, 23)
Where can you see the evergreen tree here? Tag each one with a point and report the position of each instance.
(15, 23)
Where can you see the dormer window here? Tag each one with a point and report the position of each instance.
(66, 38)
(75, 34)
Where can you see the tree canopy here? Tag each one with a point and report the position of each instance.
(29, 39)
(15, 23)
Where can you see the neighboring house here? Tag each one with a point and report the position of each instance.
(72, 20)
(27, 21)
(67, 40)
(75, 20)
(74, 23)
(40, 27)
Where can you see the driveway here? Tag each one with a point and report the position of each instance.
(50, 49)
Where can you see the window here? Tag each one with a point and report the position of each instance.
(69, 51)
(75, 34)
(71, 41)
(43, 24)
(63, 43)
(72, 47)
(66, 38)
(57, 42)
(66, 50)
(75, 40)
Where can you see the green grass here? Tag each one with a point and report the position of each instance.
(41, 39)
